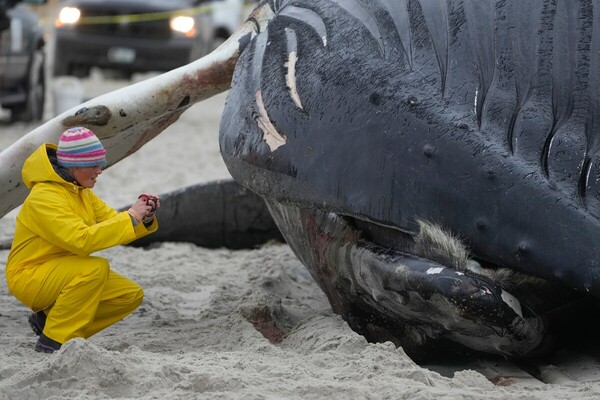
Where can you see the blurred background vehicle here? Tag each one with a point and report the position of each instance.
(127, 36)
(26, 48)
(227, 16)
(22, 61)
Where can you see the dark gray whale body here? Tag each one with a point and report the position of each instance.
(356, 119)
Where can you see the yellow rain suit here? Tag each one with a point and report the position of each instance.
(49, 266)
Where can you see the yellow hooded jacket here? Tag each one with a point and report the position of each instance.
(60, 218)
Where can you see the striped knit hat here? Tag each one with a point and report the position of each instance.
(79, 147)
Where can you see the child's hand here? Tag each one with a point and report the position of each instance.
(144, 207)
(151, 200)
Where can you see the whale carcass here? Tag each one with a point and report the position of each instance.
(432, 163)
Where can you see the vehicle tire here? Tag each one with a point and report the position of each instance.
(61, 68)
(117, 74)
(79, 71)
(218, 40)
(33, 107)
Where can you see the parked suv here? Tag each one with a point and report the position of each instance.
(129, 36)
(22, 60)
(227, 16)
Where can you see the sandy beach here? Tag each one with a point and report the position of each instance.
(205, 329)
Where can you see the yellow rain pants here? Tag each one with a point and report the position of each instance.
(79, 294)
(51, 267)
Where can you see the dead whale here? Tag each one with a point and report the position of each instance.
(433, 164)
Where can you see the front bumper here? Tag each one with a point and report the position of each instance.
(124, 53)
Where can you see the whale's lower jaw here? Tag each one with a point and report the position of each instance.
(388, 295)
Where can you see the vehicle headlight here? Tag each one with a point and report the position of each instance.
(184, 24)
(68, 16)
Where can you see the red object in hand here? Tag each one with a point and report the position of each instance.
(150, 200)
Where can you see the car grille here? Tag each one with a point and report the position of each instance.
(155, 29)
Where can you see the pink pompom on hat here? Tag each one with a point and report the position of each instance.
(79, 147)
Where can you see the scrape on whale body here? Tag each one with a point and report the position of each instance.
(480, 117)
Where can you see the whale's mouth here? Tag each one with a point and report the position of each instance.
(388, 294)
(382, 289)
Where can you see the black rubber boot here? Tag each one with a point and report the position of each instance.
(37, 321)
(46, 345)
